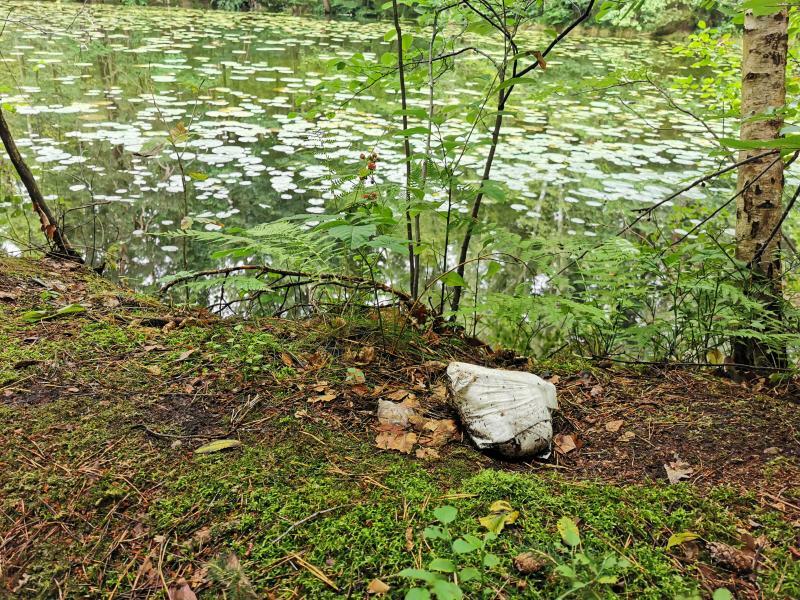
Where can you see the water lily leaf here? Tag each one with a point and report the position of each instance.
(217, 445)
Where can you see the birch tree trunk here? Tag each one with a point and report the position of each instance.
(758, 208)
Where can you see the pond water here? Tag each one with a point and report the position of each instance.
(94, 87)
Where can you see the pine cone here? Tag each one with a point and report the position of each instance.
(528, 563)
(730, 558)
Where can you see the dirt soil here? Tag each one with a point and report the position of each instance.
(624, 426)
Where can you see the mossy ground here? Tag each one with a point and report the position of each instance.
(102, 495)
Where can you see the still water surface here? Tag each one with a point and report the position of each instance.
(94, 89)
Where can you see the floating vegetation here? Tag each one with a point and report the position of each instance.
(97, 89)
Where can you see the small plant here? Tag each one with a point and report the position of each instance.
(588, 576)
(251, 352)
(464, 562)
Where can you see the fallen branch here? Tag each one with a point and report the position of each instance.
(330, 277)
(672, 365)
(48, 222)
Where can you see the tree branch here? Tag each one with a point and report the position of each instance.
(49, 224)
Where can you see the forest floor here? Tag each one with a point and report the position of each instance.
(103, 495)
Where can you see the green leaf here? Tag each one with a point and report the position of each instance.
(412, 131)
(607, 579)
(790, 142)
(434, 533)
(418, 594)
(462, 546)
(565, 571)
(217, 446)
(69, 309)
(569, 532)
(420, 574)
(676, 539)
(493, 189)
(469, 574)
(443, 565)
(445, 514)
(32, 316)
(722, 594)
(453, 279)
(490, 561)
(501, 514)
(446, 590)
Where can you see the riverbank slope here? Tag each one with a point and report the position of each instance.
(104, 404)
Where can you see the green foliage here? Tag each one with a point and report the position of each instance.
(461, 565)
(639, 302)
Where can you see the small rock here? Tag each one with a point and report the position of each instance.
(773, 450)
(393, 413)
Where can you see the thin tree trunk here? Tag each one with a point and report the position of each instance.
(326, 6)
(48, 222)
(412, 275)
(758, 208)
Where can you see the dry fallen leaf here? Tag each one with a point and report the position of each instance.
(286, 359)
(376, 586)
(153, 369)
(596, 391)
(565, 443)
(180, 590)
(8, 296)
(391, 437)
(437, 432)
(366, 356)
(427, 453)
(399, 395)
(409, 538)
(678, 470)
(184, 355)
(439, 393)
(323, 397)
(626, 437)
(614, 426)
